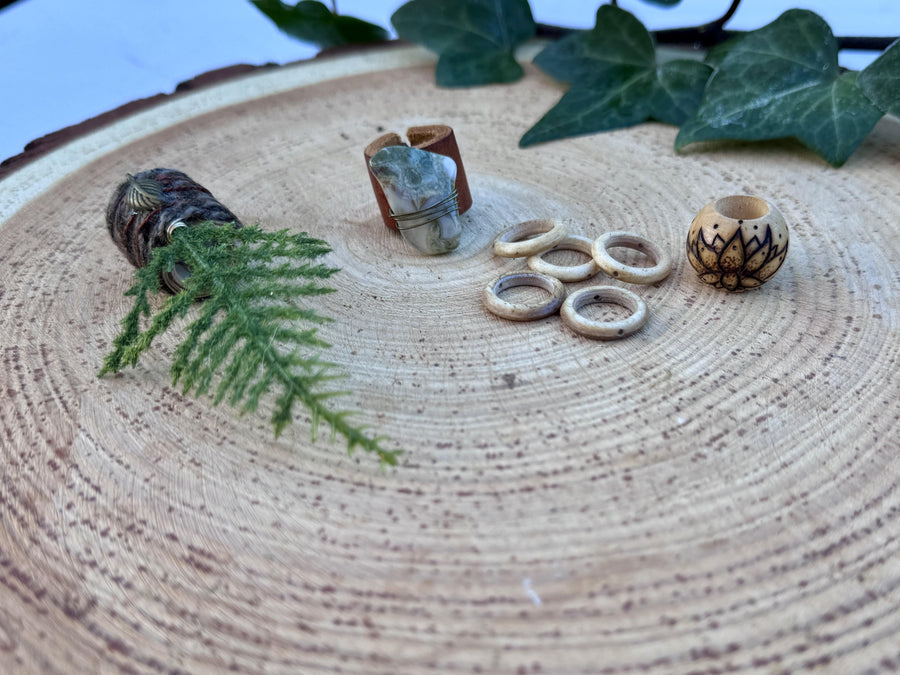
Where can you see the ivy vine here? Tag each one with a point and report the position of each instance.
(779, 81)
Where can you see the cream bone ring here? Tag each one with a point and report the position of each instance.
(662, 263)
(520, 311)
(567, 273)
(604, 330)
(513, 242)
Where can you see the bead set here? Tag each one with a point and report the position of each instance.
(532, 239)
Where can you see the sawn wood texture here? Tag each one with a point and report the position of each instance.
(716, 493)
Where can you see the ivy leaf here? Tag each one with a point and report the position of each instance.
(618, 39)
(311, 21)
(717, 53)
(881, 80)
(781, 81)
(616, 81)
(474, 38)
(679, 87)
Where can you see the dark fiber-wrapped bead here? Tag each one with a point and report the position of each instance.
(145, 206)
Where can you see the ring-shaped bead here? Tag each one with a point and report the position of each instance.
(513, 242)
(567, 273)
(521, 311)
(604, 330)
(662, 263)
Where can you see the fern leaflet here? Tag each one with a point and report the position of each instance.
(244, 338)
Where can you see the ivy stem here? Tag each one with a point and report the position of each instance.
(706, 35)
(695, 37)
(713, 33)
(719, 23)
(334, 7)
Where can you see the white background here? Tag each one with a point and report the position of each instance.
(64, 61)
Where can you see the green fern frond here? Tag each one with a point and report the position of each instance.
(244, 339)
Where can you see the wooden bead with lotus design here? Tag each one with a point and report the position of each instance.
(737, 243)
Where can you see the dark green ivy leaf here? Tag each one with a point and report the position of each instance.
(617, 40)
(311, 21)
(475, 39)
(717, 53)
(881, 80)
(783, 81)
(616, 81)
(679, 86)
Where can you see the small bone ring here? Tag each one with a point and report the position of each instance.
(662, 263)
(567, 273)
(512, 242)
(520, 311)
(604, 330)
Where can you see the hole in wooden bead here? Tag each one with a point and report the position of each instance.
(630, 255)
(604, 309)
(562, 257)
(742, 207)
(524, 295)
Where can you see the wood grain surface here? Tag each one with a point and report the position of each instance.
(717, 493)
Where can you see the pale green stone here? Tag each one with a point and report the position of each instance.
(414, 180)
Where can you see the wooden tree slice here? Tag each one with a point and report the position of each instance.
(716, 493)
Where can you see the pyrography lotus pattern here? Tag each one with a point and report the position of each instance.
(736, 264)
